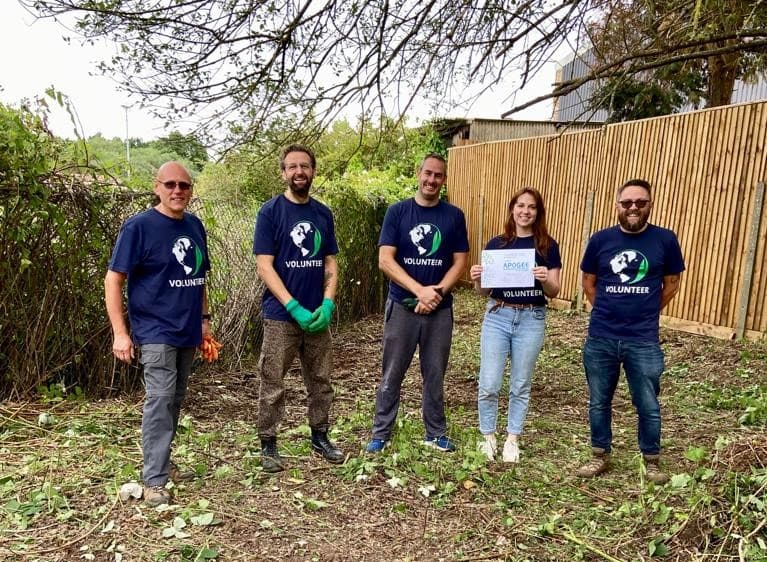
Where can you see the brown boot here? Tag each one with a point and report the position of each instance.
(652, 468)
(600, 461)
(156, 495)
(178, 475)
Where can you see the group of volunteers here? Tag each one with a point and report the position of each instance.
(630, 272)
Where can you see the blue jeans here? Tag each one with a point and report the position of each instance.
(643, 365)
(508, 332)
(166, 375)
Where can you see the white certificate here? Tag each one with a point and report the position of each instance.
(507, 268)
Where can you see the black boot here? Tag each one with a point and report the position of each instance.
(271, 461)
(323, 446)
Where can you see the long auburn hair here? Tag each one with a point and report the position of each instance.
(540, 232)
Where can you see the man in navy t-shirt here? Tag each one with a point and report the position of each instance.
(295, 247)
(163, 255)
(423, 250)
(630, 272)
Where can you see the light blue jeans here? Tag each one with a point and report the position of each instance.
(508, 332)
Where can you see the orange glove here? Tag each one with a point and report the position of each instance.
(209, 348)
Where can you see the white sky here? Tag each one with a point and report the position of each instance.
(35, 57)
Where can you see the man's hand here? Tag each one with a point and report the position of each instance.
(210, 348)
(429, 298)
(302, 316)
(322, 316)
(123, 348)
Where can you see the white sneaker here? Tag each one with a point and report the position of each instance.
(488, 446)
(511, 451)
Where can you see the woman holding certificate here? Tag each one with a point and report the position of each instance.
(520, 268)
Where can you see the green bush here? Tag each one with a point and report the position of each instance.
(359, 201)
(56, 234)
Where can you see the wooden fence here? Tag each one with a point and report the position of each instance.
(707, 169)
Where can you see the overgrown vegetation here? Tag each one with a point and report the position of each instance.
(62, 204)
(64, 460)
(55, 235)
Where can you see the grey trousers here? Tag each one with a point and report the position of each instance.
(282, 341)
(166, 376)
(403, 331)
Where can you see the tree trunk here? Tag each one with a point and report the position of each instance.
(722, 70)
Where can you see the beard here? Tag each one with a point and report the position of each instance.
(637, 226)
(300, 190)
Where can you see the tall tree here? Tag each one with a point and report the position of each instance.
(243, 63)
(187, 146)
(702, 35)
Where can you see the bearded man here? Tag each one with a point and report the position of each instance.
(301, 276)
(630, 272)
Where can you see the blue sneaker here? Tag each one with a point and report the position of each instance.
(375, 446)
(442, 443)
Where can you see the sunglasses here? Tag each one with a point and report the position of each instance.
(640, 203)
(182, 185)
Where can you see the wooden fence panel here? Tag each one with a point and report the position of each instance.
(704, 167)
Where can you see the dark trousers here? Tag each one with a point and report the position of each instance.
(403, 331)
(282, 342)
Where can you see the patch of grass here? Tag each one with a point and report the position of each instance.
(62, 462)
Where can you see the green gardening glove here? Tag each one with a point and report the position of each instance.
(302, 316)
(321, 317)
(410, 303)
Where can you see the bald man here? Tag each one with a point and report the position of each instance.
(163, 255)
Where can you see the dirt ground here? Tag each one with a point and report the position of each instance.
(317, 511)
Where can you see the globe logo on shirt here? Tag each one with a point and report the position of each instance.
(307, 238)
(187, 254)
(426, 238)
(630, 266)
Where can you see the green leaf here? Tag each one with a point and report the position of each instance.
(680, 480)
(695, 454)
(203, 519)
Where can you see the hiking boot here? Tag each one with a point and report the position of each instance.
(376, 446)
(511, 450)
(178, 475)
(441, 443)
(600, 461)
(271, 461)
(325, 447)
(487, 446)
(156, 495)
(652, 468)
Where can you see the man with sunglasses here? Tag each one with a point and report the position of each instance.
(630, 272)
(163, 255)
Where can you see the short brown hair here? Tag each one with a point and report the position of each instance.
(297, 148)
(637, 183)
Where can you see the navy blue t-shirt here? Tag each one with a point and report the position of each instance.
(299, 236)
(426, 239)
(630, 268)
(165, 260)
(525, 295)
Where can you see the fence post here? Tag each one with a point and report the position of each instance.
(481, 233)
(748, 270)
(587, 218)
